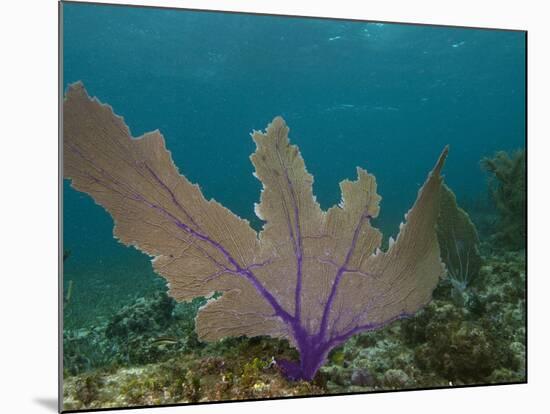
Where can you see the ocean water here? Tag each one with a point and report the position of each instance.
(386, 97)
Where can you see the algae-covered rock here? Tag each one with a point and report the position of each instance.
(142, 316)
(460, 347)
(85, 349)
(149, 329)
(362, 377)
(368, 359)
(479, 343)
(464, 355)
(152, 329)
(396, 379)
(425, 325)
(186, 379)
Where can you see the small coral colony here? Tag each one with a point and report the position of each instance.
(310, 304)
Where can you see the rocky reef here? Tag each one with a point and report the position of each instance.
(151, 329)
(481, 341)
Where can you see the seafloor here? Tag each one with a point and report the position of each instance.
(148, 354)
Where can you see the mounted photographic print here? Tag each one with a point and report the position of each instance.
(264, 206)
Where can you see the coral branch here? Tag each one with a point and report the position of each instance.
(339, 275)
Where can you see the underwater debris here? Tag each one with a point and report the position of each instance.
(458, 241)
(313, 277)
(507, 187)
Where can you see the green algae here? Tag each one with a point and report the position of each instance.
(507, 186)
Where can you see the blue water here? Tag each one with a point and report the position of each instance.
(386, 97)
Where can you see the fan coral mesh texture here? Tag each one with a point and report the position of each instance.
(458, 241)
(311, 276)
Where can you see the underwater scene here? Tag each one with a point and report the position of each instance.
(259, 206)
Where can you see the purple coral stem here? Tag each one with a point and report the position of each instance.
(339, 275)
(296, 237)
(247, 273)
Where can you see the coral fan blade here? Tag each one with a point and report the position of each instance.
(199, 246)
(287, 205)
(309, 276)
(401, 279)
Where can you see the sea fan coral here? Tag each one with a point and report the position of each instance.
(311, 276)
(458, 241)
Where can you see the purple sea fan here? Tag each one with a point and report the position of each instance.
(311, 276)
